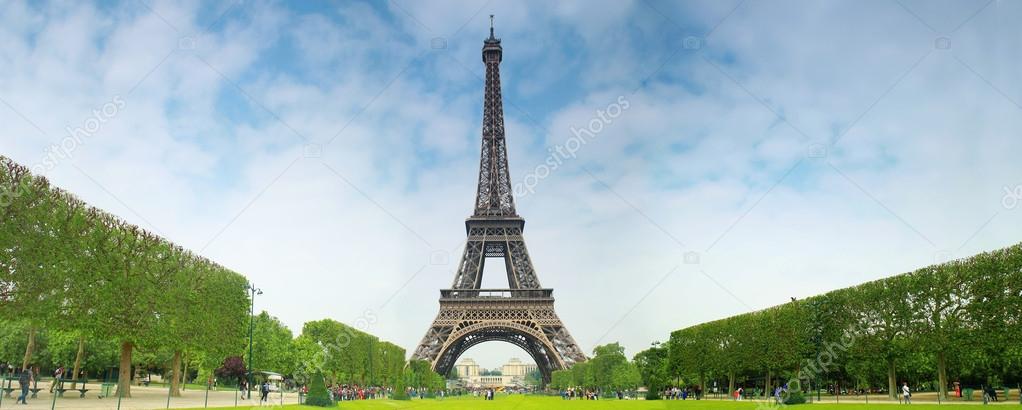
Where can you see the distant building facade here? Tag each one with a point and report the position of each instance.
(513, 374)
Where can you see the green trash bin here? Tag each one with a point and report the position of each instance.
(107, 390)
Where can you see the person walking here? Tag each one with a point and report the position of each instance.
(906, 393)
(24, 380)
(264, 392)
(57, 375)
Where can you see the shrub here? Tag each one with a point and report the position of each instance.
(318, 396)
(653, 393)
(400, 390)
(794, 397)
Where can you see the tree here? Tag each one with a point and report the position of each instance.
(606, 360)
(271, 344)
(533, 378)
(318, 395)
(232, 368)
(562, 379)
(884, 312)
(651, 365)
(940, 305)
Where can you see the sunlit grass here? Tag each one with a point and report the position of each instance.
(519, 402)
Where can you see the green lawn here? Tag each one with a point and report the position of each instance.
(518, 402)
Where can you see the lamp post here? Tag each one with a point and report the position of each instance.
(251, 326)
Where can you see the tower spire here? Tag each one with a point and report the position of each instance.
(494, 198)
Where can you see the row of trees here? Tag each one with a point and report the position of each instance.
(346, 355)
(78, 282)
(608, 370)
(341, 353)
(957, 321)
(76, 270)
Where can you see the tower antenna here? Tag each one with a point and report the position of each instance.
(491, 26)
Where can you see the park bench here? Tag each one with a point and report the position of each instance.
(35, 392)
(81, 389)
(9, 388)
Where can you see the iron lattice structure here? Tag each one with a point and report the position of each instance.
(522, 315)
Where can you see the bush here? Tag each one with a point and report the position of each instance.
(794, 397)
(400, 391)
(318, 396)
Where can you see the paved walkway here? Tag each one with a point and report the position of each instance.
(143, 398)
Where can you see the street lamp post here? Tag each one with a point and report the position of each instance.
(251, 327)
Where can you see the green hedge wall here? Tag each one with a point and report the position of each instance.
(957, 321)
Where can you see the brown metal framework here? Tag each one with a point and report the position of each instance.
(522, 315)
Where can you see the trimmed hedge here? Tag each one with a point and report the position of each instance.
(956, 321)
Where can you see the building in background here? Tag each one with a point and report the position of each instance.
(467, 369)
(515, 368)
(512, 374)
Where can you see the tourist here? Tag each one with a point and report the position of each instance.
(990, 393)
(243, 387)
(57, 374)
(906, 393)
(24, 380)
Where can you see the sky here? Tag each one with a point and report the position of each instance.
(676, 162)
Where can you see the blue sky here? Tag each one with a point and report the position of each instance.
(329, 150)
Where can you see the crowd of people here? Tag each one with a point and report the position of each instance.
(582, 394)
(682, 393)
(346, 392)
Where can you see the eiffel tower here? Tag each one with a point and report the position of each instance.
(522, 315)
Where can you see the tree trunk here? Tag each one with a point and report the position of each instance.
(78, 362)
(124, 373)
(766, 386)
(184, 373)
(730, 382)
(892, 381)
(29, 349)
(175, 368)
(942, 374)
(702, 382)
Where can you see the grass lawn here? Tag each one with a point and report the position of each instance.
(518, 402)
